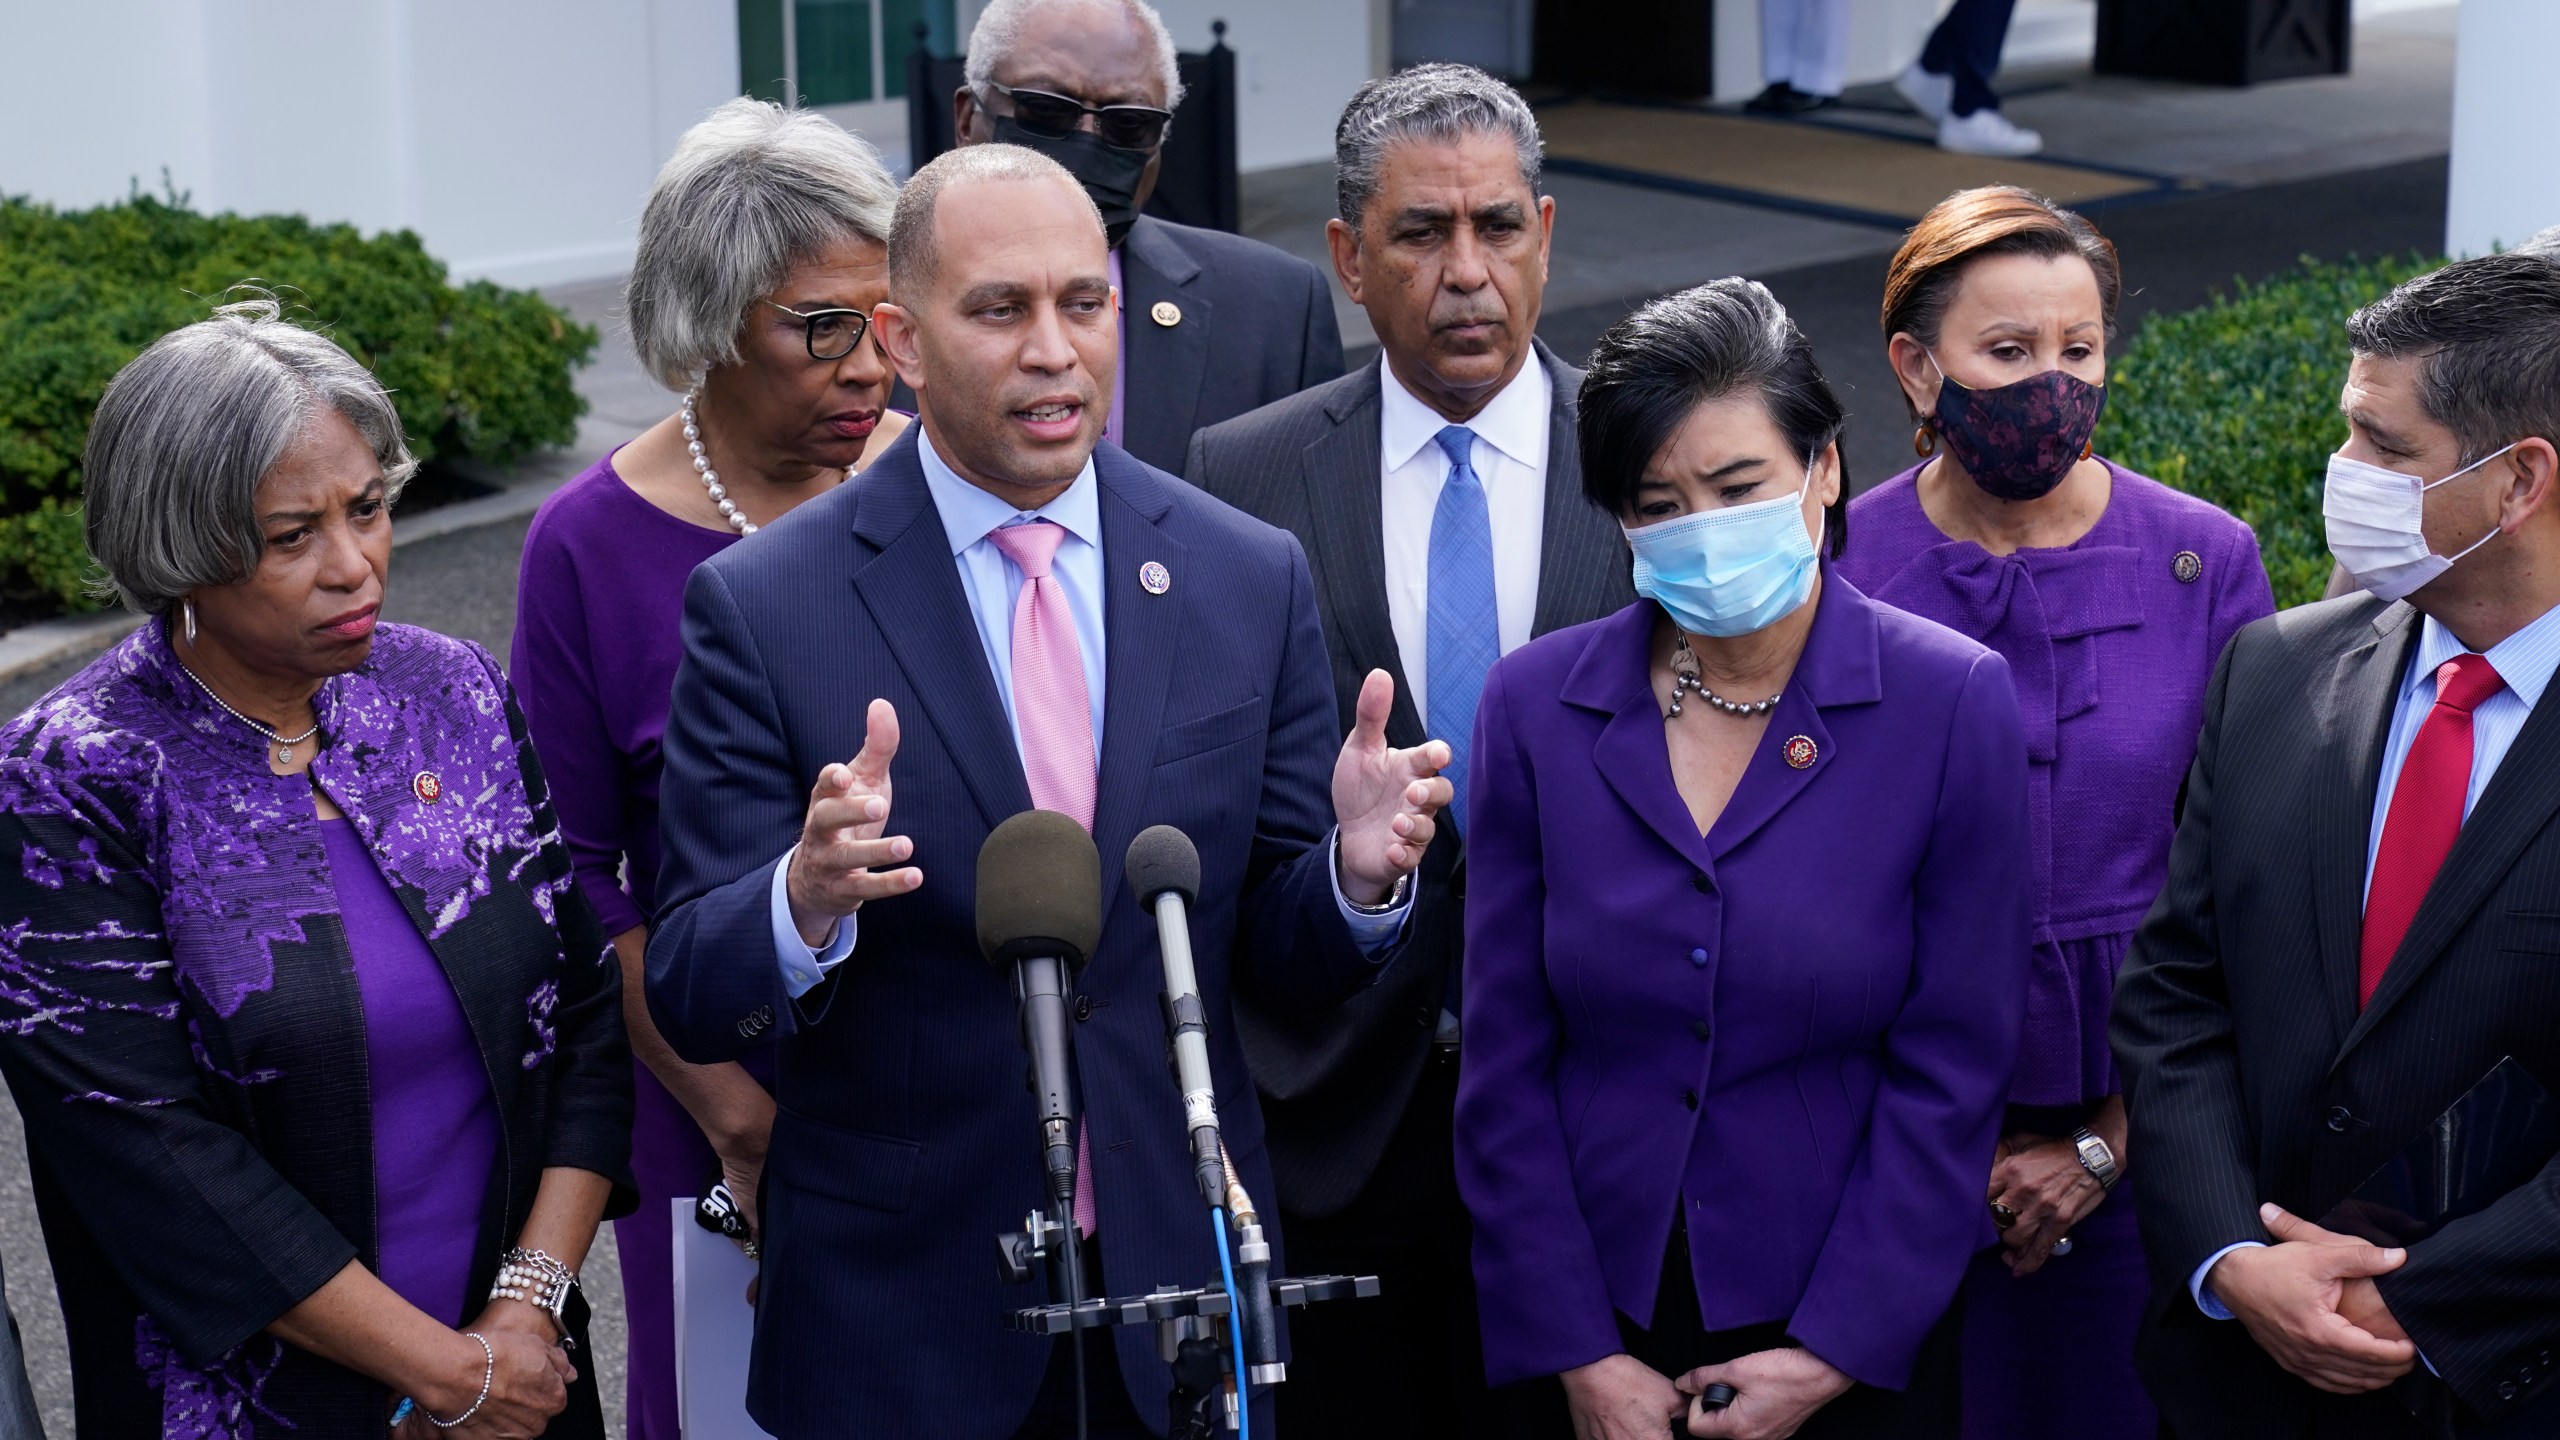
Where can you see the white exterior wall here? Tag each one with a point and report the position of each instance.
(2506, 171)
(518, 139)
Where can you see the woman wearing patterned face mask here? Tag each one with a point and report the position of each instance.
(1746, 937)
(2111, 597)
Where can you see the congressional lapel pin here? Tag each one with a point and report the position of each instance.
(1168, 315)
(2187, 567)
(1800, 752)
(427, 787)
(1154, 578)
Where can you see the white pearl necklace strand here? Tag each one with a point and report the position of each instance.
(711, 478)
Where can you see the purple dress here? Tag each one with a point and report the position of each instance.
(2111, 642)
(435, 1124)
(594, 662)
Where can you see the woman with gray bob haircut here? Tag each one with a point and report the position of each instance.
(318, 1049)
(762, 250)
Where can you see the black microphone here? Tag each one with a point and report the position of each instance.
(1164, 870)
(1040, 911)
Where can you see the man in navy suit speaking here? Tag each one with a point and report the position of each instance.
(1001, 613)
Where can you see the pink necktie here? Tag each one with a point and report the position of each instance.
(1055, 714)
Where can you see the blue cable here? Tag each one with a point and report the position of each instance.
(1235, 1327)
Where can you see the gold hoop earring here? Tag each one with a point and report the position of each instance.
(1924, 441)
(189, 608)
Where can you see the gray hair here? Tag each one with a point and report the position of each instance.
(185, 432)
(993, 40)
(2486, 336)
(1438, 103)
(751, 191)
(913, 256)
(2545, 243)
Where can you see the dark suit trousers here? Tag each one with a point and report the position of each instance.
(1409, 1362)
(1966, 45)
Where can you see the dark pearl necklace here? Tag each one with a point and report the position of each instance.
(1685, 682)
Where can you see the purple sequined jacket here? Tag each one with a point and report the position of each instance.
(181, 1027)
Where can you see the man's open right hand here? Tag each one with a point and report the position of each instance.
(2289, 1295)
(843, 840)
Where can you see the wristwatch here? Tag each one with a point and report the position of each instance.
(2095, 1157)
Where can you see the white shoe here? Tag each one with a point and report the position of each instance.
(1926, 91)
(1987, 132)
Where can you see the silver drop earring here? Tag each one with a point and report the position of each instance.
(189, 608)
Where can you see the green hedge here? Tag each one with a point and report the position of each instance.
(2237, 401)
(477, 372)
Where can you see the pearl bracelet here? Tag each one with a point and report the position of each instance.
(537, 1279)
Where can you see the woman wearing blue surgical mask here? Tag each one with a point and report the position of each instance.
(2111, 596)
(1746, 931)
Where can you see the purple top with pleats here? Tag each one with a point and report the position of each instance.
(435, 1124)
(2111, 642)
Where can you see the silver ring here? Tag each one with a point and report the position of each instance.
(2062, 1246)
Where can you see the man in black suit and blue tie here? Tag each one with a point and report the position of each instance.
(2362, 919)
(1211, 324)
(1439, 497)
(1002, 613)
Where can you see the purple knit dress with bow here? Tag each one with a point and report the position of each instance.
(2111, 642)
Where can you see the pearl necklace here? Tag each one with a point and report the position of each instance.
(1684, 681)
(284, 744)
(711, 478)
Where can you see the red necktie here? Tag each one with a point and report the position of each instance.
(2425, 815)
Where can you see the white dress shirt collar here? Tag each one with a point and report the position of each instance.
(969, 512)
(1513, 422)
(2526, 660)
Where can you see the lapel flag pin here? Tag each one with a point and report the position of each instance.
(1154, 578)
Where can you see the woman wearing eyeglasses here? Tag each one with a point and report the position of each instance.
(763, 247)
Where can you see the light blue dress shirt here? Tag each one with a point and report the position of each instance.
(2525, 660)
(992, 584)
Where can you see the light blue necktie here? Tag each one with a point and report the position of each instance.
(1463, 637)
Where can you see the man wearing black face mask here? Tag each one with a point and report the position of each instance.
(1212, 325)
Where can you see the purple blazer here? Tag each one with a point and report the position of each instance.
(1796, 1030)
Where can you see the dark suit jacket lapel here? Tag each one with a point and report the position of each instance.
(2518, 805)
(1138, 663)
(2357, 725)
(912, 588)
(1165, 363)
(1582, 564)
(1343, 479)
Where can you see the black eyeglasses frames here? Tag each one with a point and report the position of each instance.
(1128, 127)
(832, 334)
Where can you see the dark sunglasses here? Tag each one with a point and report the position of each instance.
(832, 333)
(1129, 127)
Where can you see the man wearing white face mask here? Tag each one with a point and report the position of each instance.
(2359, 923)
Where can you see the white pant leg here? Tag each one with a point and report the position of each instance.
(1805, 43)
(1778, 39)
